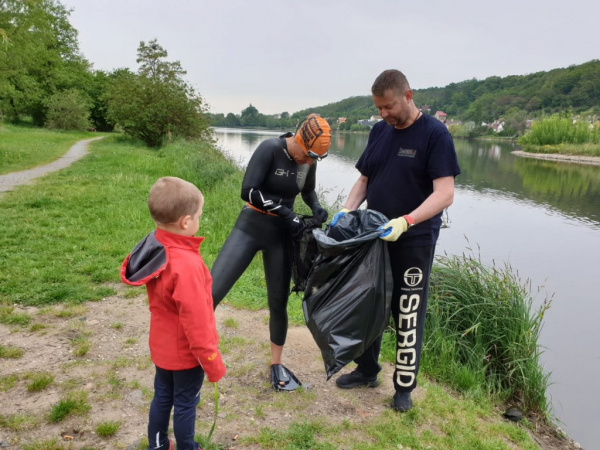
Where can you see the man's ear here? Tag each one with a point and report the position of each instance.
(409, 95)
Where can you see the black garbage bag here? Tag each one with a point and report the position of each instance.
(349, 290)
(302, 250)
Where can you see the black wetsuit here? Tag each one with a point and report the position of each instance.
(271, 184)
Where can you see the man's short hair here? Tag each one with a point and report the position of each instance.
(390, 80)
(172, 198)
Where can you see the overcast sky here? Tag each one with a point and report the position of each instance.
(282, 55)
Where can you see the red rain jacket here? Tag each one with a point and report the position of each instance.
(183, 332)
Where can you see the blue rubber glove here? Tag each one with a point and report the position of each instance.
(338, 216)
(393, 229)
(319, 213)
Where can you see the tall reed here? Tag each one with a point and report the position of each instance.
(560, 129)
(482, 333)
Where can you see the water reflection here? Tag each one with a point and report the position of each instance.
(572, 189)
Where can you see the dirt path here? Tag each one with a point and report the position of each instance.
(11, 180)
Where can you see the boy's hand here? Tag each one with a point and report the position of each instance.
(215, 369)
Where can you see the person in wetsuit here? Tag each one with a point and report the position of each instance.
(279, 169)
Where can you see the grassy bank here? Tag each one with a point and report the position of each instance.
(63, 239)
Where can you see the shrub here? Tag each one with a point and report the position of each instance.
(68, 110)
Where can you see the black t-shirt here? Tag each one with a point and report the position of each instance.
(401, 166)
(273, 177)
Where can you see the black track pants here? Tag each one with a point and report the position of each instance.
(254, 232)
(411, 267)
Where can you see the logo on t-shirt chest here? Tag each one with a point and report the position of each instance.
(407, 152)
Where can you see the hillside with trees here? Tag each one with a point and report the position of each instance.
(516, 98)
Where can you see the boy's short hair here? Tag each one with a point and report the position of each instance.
(172, 198)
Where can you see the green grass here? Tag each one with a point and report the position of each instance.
(48, 444)
(22, 148)
(10, 352)
(87, 217)
(440, 421)
(18, 422)
(74, 404)
(8, 316)
(39, 381)
(8, 382)
(107, 429)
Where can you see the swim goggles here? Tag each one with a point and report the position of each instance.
(313, 155)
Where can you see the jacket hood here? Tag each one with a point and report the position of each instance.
(145, 262)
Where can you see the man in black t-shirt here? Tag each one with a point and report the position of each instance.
(407, 173)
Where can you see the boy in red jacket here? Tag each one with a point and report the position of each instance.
(183, 335)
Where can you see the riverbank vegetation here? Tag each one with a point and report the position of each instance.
(62, 240)
(560, 133)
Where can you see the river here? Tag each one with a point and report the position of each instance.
(540, 217)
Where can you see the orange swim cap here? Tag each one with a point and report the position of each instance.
(315, 135)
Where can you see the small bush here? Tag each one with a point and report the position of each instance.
(559, 129)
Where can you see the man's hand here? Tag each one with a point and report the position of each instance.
(319, 213)
(393, 229)
(338, 216)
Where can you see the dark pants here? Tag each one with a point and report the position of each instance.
(411, 267)
(179, 389)
(254, 232)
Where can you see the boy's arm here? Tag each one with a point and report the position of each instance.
(196, 314)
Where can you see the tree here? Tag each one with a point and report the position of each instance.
(231, 120)
(515, 121)
(39, 56)
(96, 88)
(68, 110)
(250, 117)
(156, 101)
